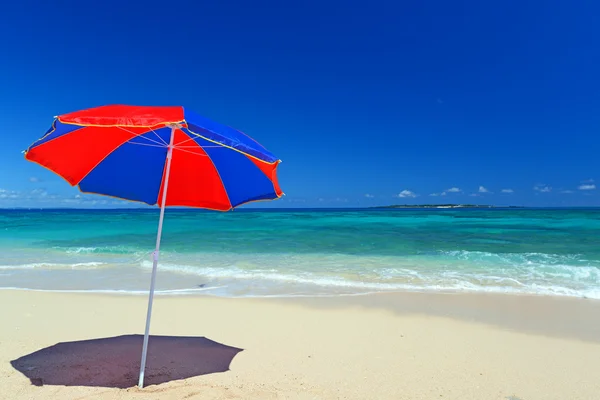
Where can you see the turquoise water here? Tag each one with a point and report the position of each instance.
(308, 252)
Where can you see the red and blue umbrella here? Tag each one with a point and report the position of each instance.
(121, 151)
(165, 156)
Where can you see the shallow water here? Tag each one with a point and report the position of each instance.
(305, 252)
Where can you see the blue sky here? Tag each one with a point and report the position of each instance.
(366, 103)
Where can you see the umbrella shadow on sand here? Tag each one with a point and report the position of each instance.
(115, 361)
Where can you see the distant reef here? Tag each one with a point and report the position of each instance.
(442, 206)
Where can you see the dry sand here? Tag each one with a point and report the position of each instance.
(392, 346)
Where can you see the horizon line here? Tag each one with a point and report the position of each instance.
(392, 207)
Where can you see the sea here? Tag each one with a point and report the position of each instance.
(304, 252)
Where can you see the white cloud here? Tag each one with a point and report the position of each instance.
(567, 191)
(99, 202)
(35, 194)
(39, 193)
(293, 200)
(369, 196)
(483, 189)
(337, 199)
(40, 197)
(71, 201)
(34, 179)
(587, 186)
(474, 195)
(542, 188)
(406, 193)
(8, 194)
(507, 191)
(454, 190)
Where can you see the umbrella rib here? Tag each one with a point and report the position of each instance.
(220, 178)
(139, 135)
(195, 147)
(113, 150)
(193, 139)
(230, 147)
(191, 152)
(148, 144)
(177, 145)
(184, 141)
(161, 139)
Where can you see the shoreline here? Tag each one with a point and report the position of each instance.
(386, 346)
(191, 292)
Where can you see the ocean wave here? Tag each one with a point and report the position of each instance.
(52, 265)
(534, 290)
(586, 284)
(232, 274)
(513, 259)
(117, 291)
(98, 250)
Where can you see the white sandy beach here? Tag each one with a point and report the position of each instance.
(392, 346)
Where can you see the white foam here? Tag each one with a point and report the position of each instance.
(79, 250)
(117, 291)
(94, 250)
(231, 274)
(53, 265)
(402, 279)
(556, 292)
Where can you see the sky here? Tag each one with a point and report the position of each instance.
(367, 103)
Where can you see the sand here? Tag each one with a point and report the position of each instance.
(387, 346)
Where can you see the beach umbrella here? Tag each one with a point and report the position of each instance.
(164, 156)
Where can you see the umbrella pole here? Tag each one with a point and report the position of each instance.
(155, 258)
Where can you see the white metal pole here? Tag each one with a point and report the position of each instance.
(155, 258)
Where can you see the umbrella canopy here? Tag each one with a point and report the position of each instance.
(166, 156)
(121, 151)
